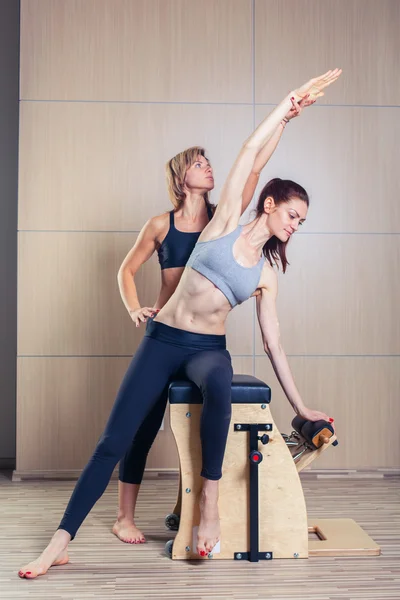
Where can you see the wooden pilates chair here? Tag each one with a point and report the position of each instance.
(261, 502)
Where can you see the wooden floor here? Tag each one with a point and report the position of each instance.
(102, 567)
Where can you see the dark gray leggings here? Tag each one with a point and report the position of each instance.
(165, 353)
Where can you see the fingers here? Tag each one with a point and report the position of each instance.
(327, 74)
(296, 107)
(320, 416)
(149, 312)
(303, 101)
(327, 79)
(144, 314)
(333, 76)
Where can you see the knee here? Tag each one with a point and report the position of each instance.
(219, 378)
(110, 448)
(217, 385)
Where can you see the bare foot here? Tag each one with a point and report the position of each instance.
(127, 531)
(55, 554)
(41, 565)
(209, 529)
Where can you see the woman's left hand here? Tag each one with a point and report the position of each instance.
(315, 415)
(297, 107)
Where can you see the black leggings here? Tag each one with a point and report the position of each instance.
(195, 369)
(164, 353)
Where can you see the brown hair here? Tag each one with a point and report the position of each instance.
(175, 170)
(281, 190)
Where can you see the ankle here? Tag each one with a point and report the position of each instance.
(58, 543)
(210, 491)
(124, 517)
(61, 537)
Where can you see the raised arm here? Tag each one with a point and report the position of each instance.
(141, 252)
(268, 320)
(230, 204)
(269, 148)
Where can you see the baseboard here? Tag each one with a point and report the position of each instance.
(350, 473)
(71, 475)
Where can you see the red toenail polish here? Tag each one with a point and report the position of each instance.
(28, 573)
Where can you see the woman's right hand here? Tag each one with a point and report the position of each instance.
(313, 88)
(141, 315)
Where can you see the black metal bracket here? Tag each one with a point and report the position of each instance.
(246, 556)
(255, 458)
(251, 426)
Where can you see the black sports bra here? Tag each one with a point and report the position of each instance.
(177, 245)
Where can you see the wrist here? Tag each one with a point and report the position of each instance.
(299, 408)
(132, 310)
(295, 94)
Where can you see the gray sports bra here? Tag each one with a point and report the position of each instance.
(214, 259)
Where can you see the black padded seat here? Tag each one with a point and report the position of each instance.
(246, 389)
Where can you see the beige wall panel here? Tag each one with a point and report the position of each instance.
(100, 166)
(242, 365)
(69, 302)
(63, 406)
(347, 160)
(299, 40)
(143, 50)
(360, 393)
(340, 295)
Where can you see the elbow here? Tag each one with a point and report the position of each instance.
(252, 145)
(122, 274)
(272, 349)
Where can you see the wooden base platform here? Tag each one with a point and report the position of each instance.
(340, 537)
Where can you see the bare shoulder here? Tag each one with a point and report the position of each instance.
(157, 227)
(159, 221)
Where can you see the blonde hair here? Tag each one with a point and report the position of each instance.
(175, 171)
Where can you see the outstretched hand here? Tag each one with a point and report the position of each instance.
(313, 88)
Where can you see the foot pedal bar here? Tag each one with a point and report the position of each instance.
(255, 458)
